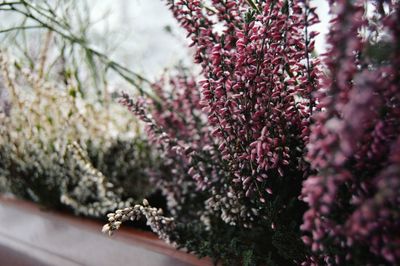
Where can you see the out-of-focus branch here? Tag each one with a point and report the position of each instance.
(46, 18)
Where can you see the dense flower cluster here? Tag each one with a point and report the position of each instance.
(55, 147)
(89, 192)
(181, 119)
(233, 142)
(258, 80)
(354, 147)
(175, 153)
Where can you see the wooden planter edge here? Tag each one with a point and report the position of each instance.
(129, 237)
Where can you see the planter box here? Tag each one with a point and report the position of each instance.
(30, 236)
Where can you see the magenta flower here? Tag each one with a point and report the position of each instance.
(354, 193)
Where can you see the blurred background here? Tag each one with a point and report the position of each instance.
(140, 34)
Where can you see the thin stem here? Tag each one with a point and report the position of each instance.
(307, 54)
(253, 5)
(22, 28)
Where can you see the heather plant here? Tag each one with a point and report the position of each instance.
(83, 151)
(269, 154)
(233, 140)
(56, 147)
(262, 129)
(353, 193)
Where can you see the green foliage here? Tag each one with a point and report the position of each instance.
(234, 245)
(125, 162)
(262, 244)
